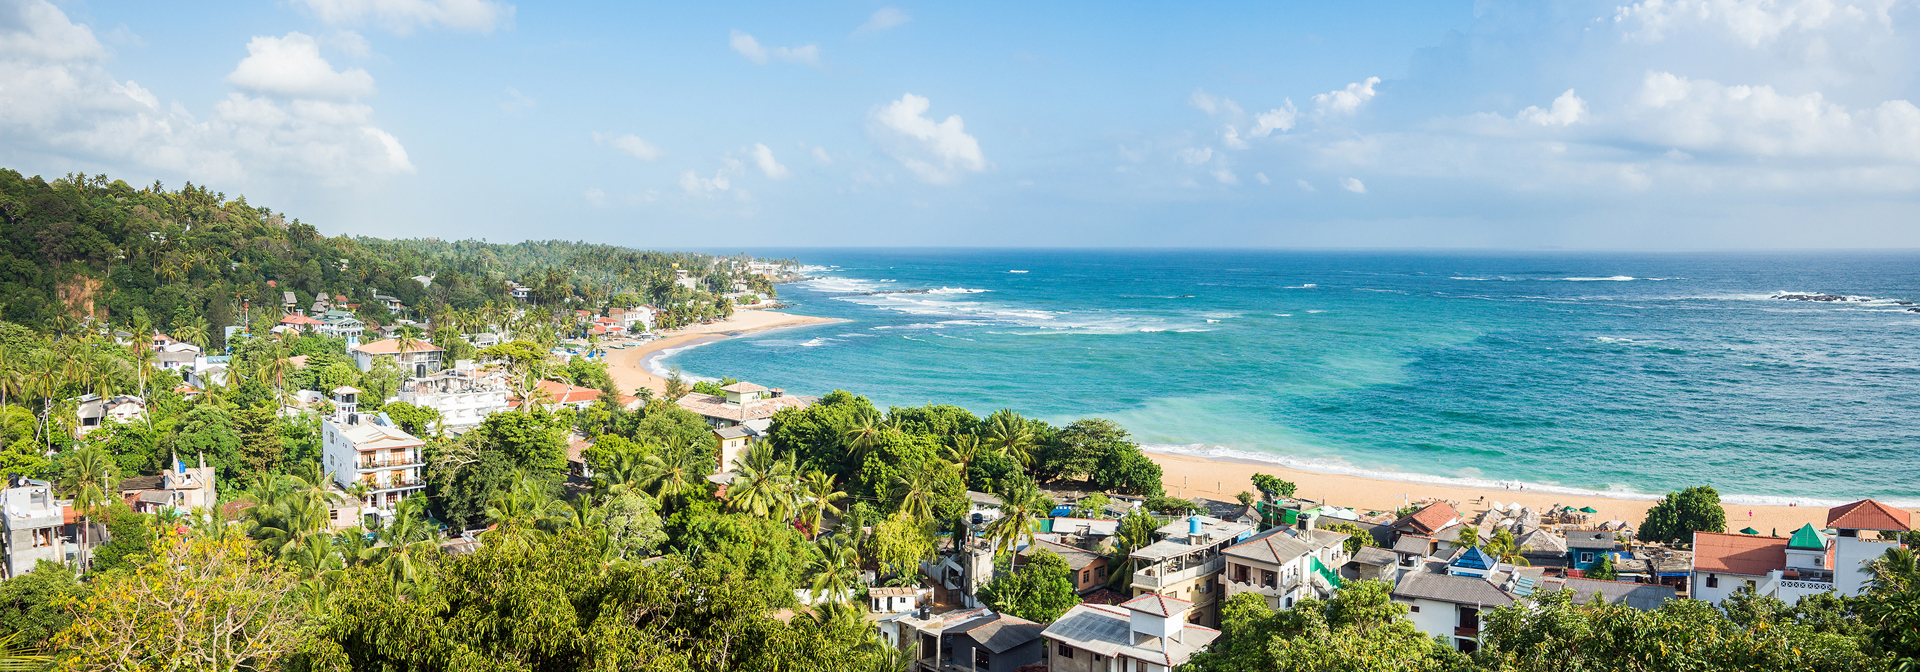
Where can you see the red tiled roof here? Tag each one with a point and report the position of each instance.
(1157, 604)
(1430, 519)
(1867, 514)
(1743, 554)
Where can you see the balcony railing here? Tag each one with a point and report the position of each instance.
(1284, 585)
(385, 462)
(1467, 631)
(1149, 581)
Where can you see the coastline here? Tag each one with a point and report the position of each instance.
(629, 366)
(1191, 476)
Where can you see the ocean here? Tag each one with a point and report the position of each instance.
(1626, 374)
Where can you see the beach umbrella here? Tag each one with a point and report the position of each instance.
(1588, 509)
(1749, 530)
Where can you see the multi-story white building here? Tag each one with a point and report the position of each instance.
(363, 449)
(1150, 633)
(463, 397)
(1285, 564)
(1807, 563)
(419, 358)
(31, 519)
(1186, 563)
(743, 404)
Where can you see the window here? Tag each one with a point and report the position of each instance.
(1066, 652)
(1414, 609)
(1586, 557)
(1240, 573)
(980, 661)
(1713, 581)
(1269, 579)
(1086, 575)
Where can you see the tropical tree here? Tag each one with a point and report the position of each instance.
(1007, 433)
(914, 492)
(834, 572)
(1021, 509)
(819, 495)
(1678, 515)
(673, 472)
(87, 477)
(763, 485)
(1504, 548)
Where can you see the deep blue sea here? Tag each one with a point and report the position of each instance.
(1633, 374)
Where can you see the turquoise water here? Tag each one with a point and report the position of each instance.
(1633, 374)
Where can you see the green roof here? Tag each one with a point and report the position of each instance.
(1807, 539)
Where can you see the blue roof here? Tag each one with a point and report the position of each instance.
(1474, 558)
(1523, 585)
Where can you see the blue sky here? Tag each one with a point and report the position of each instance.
(1661, 124)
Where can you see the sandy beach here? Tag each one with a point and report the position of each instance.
(628, 366)
(1188, 476)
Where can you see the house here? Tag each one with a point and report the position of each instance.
(31, 520)
(174, 355)
(181, 489)
(556, 395)
(1807, 563)
(1089, 569)
(94, 411)
(369, 452)
(1285, 564)
(1642, 596)
(419, 358)
(999, 643)
(1449, 605)
(520, 292)
(392, 303)
(627, 317)
(896, 599)
(463, 397)
(958, 575)
(300, 321)
(1429, 521)
(207, 372)
(742, 403)
(734, 442)
(1150, 633)
(1542, 548)
(1586, 547)
(1083, 527)
(341, 324)
(982, 507)
(288, 301)
(926, 634)
(1373, 563)
(1186, 563)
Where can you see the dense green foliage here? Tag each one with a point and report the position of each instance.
(1677, 516)
(1039, 591)
(1359, 629)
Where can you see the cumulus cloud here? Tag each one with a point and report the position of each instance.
(1225, 176)
(1566, 110)
(1277, 119)
(1752, 23)
(936, 151)
(405, 16)
(1231, 138)
(753, 51)
(763, 159)
(58, 98)
(596, 197)
(1211, 104)
(1304, 186)
(1196, 155)
(1704, 117)
(1348, 100)
(1353, 185)
(886, 18)
(721, 182)
(291, 66)
(629, 144)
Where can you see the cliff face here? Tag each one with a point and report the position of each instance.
(78, 293)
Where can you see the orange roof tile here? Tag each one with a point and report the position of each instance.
(391, 346)
(1431, 518)
(1867, 514)
(1743, 554)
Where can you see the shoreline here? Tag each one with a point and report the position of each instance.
(629, 366)
(1191, 476)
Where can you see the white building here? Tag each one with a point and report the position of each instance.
(1450, 605)
(1149, 633)
(1808, 563)
(419, 358)
(1284, 565)
(742, 404)
(1186, 562)
(368, 450)
(463, 397)
(121, 409)
(30, 519)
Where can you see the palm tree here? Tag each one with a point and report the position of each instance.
(1007, 433)
(86, 478)
(672, 472)
(913, 492)
(1469, 537)
(1021, 507)
(835, 571)
(407, 541)
(17, 656)
(1897, 570)
(407, 338)
(820, 496)
(966, 448)
(865, 433)
(884, 657)
(763, 485)
(1503, 548)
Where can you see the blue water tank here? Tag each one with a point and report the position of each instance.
(1193, 524)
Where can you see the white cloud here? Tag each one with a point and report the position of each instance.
(1704, 116)
(1566, 110)
(763, 159)
(58, 99)
(1302, 184)
(1196, 155)
(1353, 185)
(350, 43)
(1752, 22)
(721, 182)
(404, 16)
(629, 144)
(1276, 119)
(1348, 100)
(937, 152)
(1225, 176)
(884, 19)
(753, 51)
(1231, 138)
(1262, 177)
(596, 197)
(291, 66)
(820, 154)
(1210, 104)
(517, 102)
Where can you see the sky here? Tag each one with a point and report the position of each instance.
(1653, 125)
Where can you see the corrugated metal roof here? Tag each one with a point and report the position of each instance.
(1448, 588)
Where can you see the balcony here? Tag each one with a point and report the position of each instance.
(1284, 585)
(366, 463)
(1471, 632)
(1153, 582)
